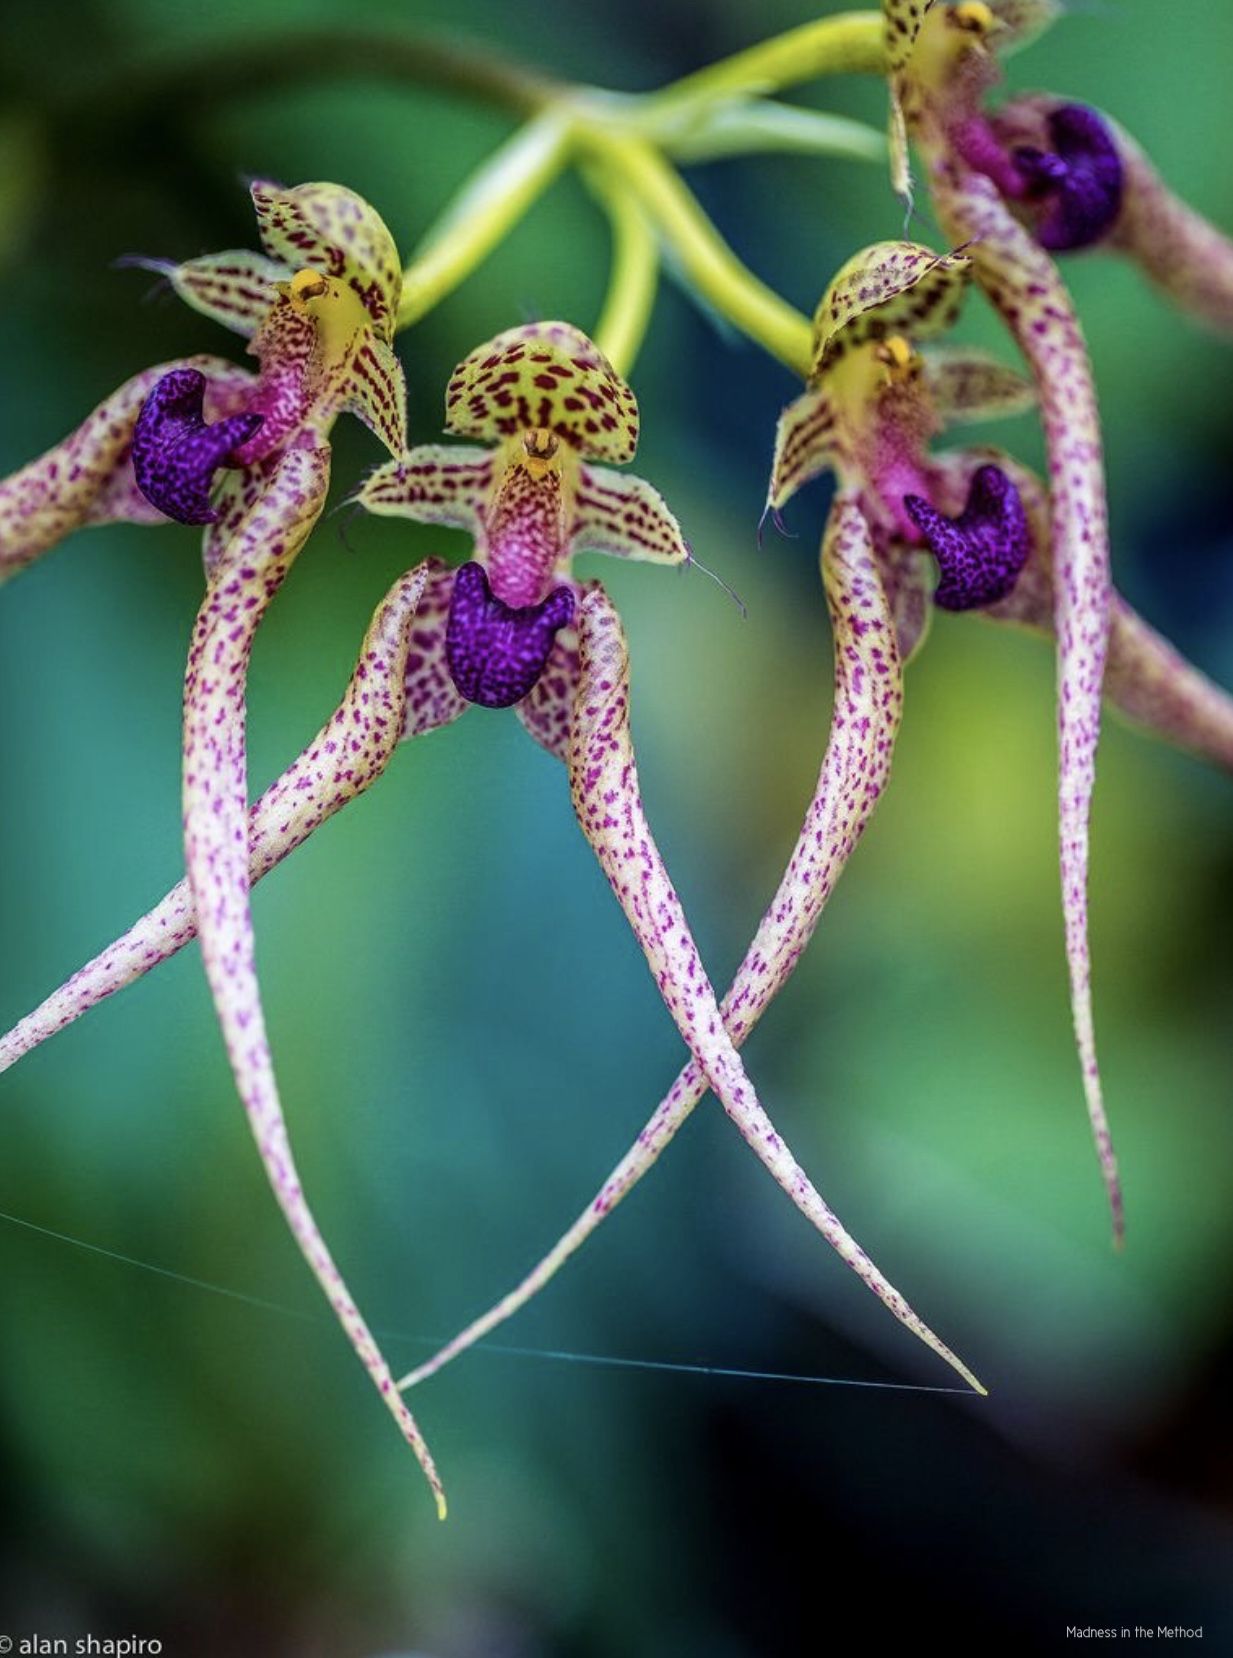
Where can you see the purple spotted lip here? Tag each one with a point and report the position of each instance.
(980, 553)
(497, 652)
(1077, 185)
(176, 454)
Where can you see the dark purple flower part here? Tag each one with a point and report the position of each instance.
(1078, 183)
(497, 652)
(980, 553)
(175, 453)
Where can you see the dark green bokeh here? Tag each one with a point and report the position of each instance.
(467, 1036)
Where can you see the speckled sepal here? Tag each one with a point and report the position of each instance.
(868, 698)
(608, 806)
(432, 484)
(888, 288)
(346, 757)
(619, 513)
(545, 376)
(332, 230)
(966, 384)
(806, 444)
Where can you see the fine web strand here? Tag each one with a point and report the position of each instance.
(500, 1349)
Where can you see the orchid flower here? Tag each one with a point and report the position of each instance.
(1043, 177)
(1069, 172)
(940, 68)
(512, 627)
(872, 406)
(319, 307)
(199, 441)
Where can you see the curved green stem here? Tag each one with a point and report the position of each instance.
(622, 133)
(706, 259)
(756, 126)
(852, 43)
(634, 279)
(484, 212)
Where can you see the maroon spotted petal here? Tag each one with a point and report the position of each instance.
(497, 652)
(980, 553)
(176, 454)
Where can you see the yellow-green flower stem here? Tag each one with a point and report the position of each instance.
(705, 258)
(620, 138)
(634, 276)
(759, 126)
(623, 135)
(630, 167)
(485, 211)
(851, 43)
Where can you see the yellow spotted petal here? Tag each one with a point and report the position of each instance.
(1020, 21)
(335, 231)
(377, 391)
(903, 21)
(971, 385)
(433, 483)
(806, 443)
(897, 287)
(547, 376)
(618, 513)
(928, 45)
(897, 142)
(235, 288)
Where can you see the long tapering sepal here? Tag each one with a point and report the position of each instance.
(1023, 282)
(609, 811)
(346, 757)
(217, 861)
(1180, 250)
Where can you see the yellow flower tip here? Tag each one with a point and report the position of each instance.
(307, 284)
(539, 448)
(442, 1507)
(334, 308)
(975, 17)
(900, 360)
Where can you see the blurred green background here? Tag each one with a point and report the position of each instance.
(468, 1038)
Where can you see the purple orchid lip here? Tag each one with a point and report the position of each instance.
(1078, 184)
(980, 553)
(176, 454)
(497, 652)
